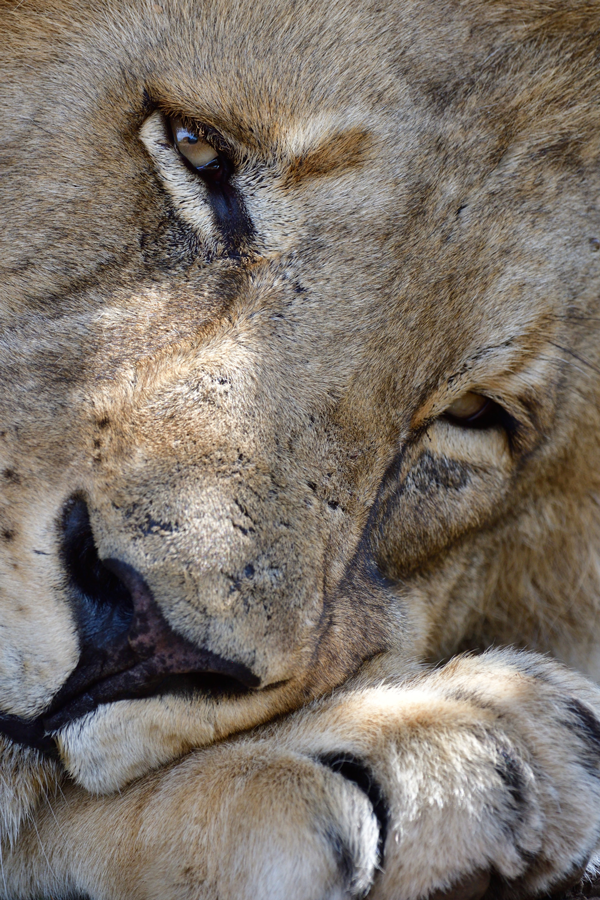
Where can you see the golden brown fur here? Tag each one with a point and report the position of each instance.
(246, 390)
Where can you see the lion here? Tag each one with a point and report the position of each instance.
(299, 449)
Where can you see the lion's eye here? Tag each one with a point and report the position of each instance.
(476, 411)
(473, 411)
(207, 161)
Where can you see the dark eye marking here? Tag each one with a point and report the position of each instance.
(435, 473)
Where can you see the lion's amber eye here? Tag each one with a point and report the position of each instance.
(199, 153)
(471, 409)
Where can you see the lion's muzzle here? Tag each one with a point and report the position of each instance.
(127, 648)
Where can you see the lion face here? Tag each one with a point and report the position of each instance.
(283, 357)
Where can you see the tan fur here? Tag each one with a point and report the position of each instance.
(255, 421)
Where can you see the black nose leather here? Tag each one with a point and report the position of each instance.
(102, 602)
(128, 649)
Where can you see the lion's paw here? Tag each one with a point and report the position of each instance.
(255, 823)
(480, 779)
(487, 773)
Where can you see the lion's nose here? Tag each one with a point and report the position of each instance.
(128, 648)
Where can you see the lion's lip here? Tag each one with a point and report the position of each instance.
(138, 682)
(147, 679)
(128, 673)
(81, 695)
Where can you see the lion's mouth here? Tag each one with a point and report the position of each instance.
(82, 695)
(144, 680)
